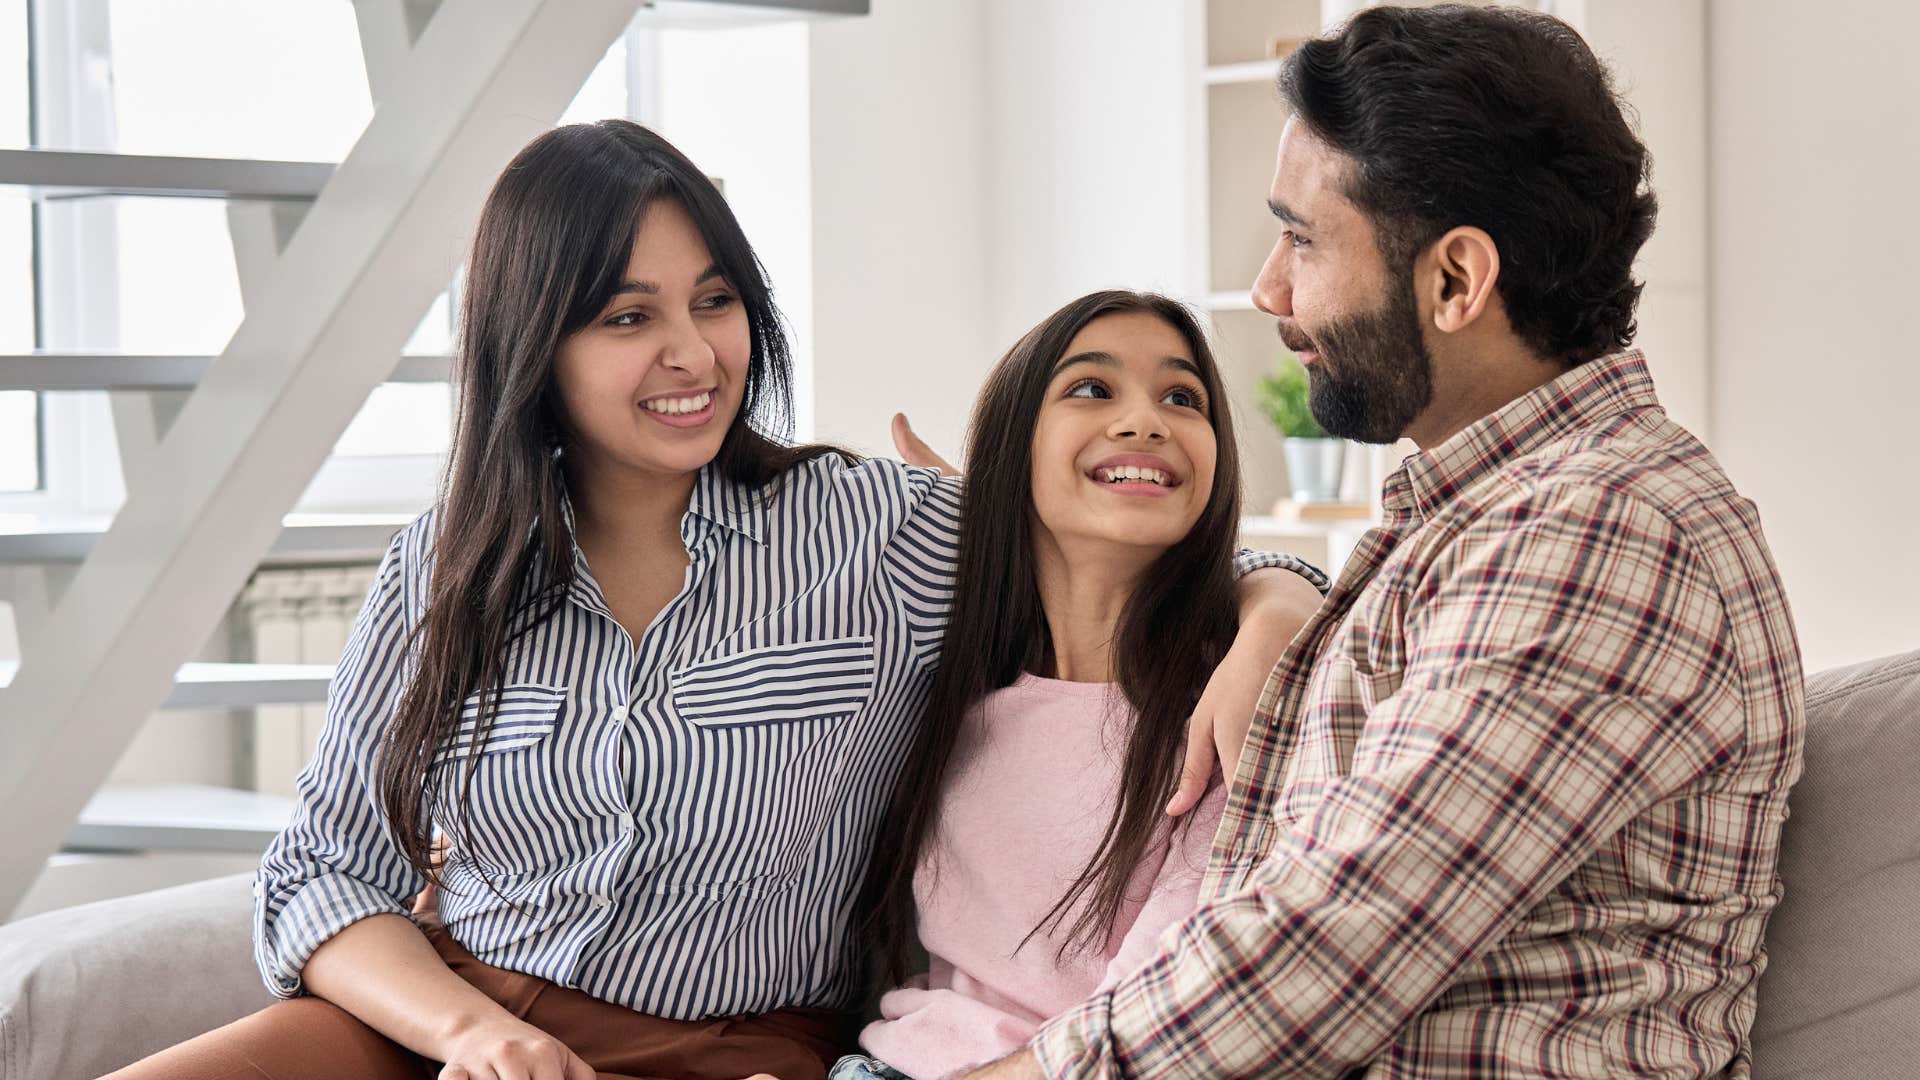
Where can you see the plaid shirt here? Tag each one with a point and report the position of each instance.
(1512, 801)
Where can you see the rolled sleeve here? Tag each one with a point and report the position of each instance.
(1077, 1044)
(336, 863)
(1246, 561)
(313, 913)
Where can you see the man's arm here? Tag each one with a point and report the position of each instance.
(1565, 670)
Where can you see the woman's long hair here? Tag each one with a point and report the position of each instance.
(551, 246)
(1172, 633)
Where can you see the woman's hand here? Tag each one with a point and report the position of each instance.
(1275, 604)
(508, 1048)
(915, 452)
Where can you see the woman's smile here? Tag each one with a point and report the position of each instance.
(681, 410)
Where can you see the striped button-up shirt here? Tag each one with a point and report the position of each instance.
(676, 824)
(1512, 801)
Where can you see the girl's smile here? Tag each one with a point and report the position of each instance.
(1124, 447)
(1136, 475)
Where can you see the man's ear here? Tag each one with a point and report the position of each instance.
(1465, 265)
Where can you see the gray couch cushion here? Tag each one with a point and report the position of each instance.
(88, 989)
(1841, 996)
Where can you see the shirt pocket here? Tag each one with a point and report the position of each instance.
(778, 684)
(767, 733)
(513, 804)
(526, 714)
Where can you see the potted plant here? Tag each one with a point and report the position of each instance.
(1314, 460)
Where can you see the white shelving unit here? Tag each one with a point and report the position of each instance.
(1251, 71)
(1239, 118)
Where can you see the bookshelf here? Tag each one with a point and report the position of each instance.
(1241, 120)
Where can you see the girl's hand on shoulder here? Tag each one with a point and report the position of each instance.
(1270, 618)
(509, 1048)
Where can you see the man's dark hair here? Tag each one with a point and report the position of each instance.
(1499, 119)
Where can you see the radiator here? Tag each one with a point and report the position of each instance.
(297, 617)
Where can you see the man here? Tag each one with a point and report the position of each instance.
(1511, 803)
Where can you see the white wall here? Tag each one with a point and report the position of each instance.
(975, 166)
(900, 221)
(1097, 140)
(1657, 50)
(735, 101)
(1816, 375)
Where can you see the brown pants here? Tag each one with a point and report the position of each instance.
(311, 1039)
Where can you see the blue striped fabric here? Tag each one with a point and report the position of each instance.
(678, 824)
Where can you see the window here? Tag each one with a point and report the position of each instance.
(20, 468)
(156, 275)
(143, 275)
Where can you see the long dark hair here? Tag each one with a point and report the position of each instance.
(551, 246)
(998, 629)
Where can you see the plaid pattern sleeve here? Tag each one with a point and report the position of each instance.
(1563, 666)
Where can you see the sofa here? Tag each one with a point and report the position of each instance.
(88, 989)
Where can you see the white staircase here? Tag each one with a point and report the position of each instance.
(337, 264)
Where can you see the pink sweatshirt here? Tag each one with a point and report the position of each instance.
(1035, 775)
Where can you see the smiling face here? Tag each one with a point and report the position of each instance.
(1347, 314)
(652, 384)
(1123, 450)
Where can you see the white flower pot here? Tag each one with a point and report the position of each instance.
(1314, 467)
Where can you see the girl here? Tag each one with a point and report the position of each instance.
(1095, 584)
(638, 668)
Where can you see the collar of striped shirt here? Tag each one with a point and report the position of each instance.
(716, 498)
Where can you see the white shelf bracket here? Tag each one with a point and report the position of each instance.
(261, 230)
(388, 31)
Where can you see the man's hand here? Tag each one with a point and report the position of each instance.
(915, 452)
(1020, 1065)
(1274, 605)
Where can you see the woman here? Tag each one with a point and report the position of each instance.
(639, 670)
(1026, 829)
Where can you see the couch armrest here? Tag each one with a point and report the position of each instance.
(87, 989)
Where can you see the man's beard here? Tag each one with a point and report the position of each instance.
(1374, 375)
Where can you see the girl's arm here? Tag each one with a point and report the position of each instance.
(1278, 594)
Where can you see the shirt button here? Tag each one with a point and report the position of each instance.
(626, 821)
(600, 901)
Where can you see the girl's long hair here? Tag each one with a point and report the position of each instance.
(1173, 632)
(551, 246)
